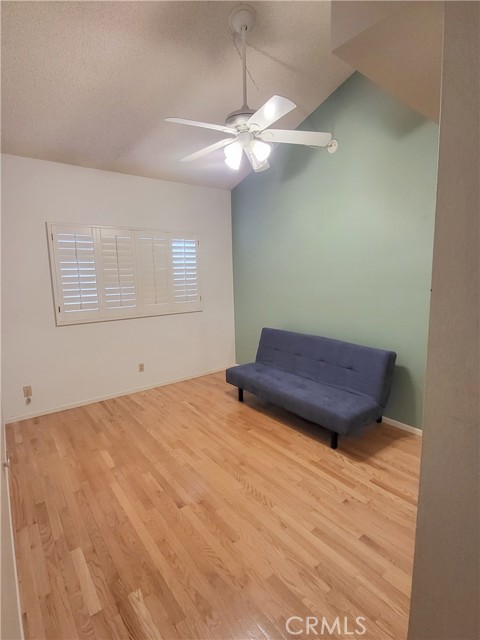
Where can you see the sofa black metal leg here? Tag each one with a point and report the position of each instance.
(333, 440)
(240, 394)
(379, 419)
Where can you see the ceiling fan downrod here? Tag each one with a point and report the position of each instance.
(242, 20)
(244, 66)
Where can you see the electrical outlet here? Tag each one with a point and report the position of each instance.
(141, 367)
(27, 391)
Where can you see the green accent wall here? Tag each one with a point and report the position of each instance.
(340, 245)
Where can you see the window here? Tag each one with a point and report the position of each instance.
(107, 273)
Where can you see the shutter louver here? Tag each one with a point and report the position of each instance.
(184, 270)
(118, 272)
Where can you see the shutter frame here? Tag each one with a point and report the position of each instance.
(117, 272)
(152, 247)
(185, 263)
(61, 262)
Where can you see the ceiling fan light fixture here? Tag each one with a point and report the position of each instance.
(251, 129)
(233, 155)
(261, 150)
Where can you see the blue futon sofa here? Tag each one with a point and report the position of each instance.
(339, 385)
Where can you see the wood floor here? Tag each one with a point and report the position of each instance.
(179, 512)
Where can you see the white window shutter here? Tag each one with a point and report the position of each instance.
(186, 292)
(153, 261)
(117, 274)
(107, 273)
(74, 273)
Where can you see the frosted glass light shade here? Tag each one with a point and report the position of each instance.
(233, 155)
(261, 150)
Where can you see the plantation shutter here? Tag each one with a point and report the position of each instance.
(119, 290)
(109, 273)
(186, 292)
(153, 258)
(74, 273)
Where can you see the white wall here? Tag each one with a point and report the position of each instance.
(446, 573)
(74, 364)
(10, 616)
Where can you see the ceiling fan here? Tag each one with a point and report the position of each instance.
(249, 129)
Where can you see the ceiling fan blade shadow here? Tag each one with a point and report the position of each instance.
(203, 125)
(270, 112)
(256, 165)
(308, 138)
(205, 151)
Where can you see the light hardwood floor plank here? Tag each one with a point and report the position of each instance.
(180, 513)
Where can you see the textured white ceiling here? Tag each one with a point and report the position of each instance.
(89, 83)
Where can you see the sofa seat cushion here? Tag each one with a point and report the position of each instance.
(334, 408)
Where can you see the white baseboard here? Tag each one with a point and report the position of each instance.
(82, 403)
(401, 425)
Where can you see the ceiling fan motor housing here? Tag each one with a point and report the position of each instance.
(239, 118)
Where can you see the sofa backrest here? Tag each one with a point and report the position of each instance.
(359, 369)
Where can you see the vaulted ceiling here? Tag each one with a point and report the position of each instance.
(90, 83)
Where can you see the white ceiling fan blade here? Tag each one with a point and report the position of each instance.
(204, 125)
(256, 165)
(272, 110)
(308, 138)
(206, 150)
